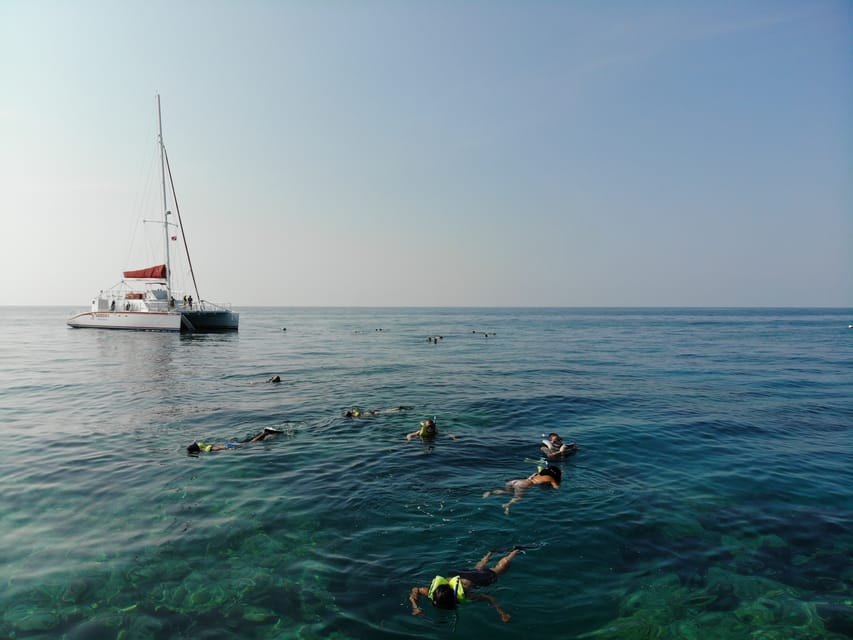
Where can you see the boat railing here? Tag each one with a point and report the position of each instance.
(202, 305)
(215, 306)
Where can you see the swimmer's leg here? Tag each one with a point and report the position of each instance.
(494, 492)
(268, 431)
(519, 487)
(482, 563)
(512, 486)
(509, 504)
(503, 564)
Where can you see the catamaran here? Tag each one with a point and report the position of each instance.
(145, 300)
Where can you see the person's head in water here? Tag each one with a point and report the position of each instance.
(444, 597)
(194, 448)
(428, 428)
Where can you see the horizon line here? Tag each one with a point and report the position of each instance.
(332, 306)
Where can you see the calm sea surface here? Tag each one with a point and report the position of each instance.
(712, 496)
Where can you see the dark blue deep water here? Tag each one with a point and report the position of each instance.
(712, 496)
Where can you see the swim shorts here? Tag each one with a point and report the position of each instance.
(481, 578)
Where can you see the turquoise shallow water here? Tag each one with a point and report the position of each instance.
(711, 498)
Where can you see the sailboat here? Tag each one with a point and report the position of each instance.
(144, 300)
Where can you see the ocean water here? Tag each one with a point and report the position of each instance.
(712, 495)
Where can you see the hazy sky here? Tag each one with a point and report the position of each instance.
(466, 153)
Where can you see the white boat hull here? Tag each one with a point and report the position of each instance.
(128, 320)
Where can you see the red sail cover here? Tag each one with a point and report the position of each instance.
(151, 273)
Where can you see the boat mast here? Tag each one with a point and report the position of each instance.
(181, 225)
(165, 205)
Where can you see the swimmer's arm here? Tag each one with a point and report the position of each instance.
(482, 597)
(416, 593)
(413, 434)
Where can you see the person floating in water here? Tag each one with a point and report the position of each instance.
(555, 449)
(428, 430)
(549, 476)
(447, 593)
(206, 447)
(357, 412)
(274, 379)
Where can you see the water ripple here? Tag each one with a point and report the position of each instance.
(711, 485)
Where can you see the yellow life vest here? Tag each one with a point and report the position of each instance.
(455, 583)
(424, 433)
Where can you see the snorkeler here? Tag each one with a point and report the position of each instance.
(428, 430)
(549, 476)
(555, 449)
(447, 593)
(198, 447)
(274, 379)
(356, 412)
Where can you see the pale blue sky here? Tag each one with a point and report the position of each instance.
(394, 153)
